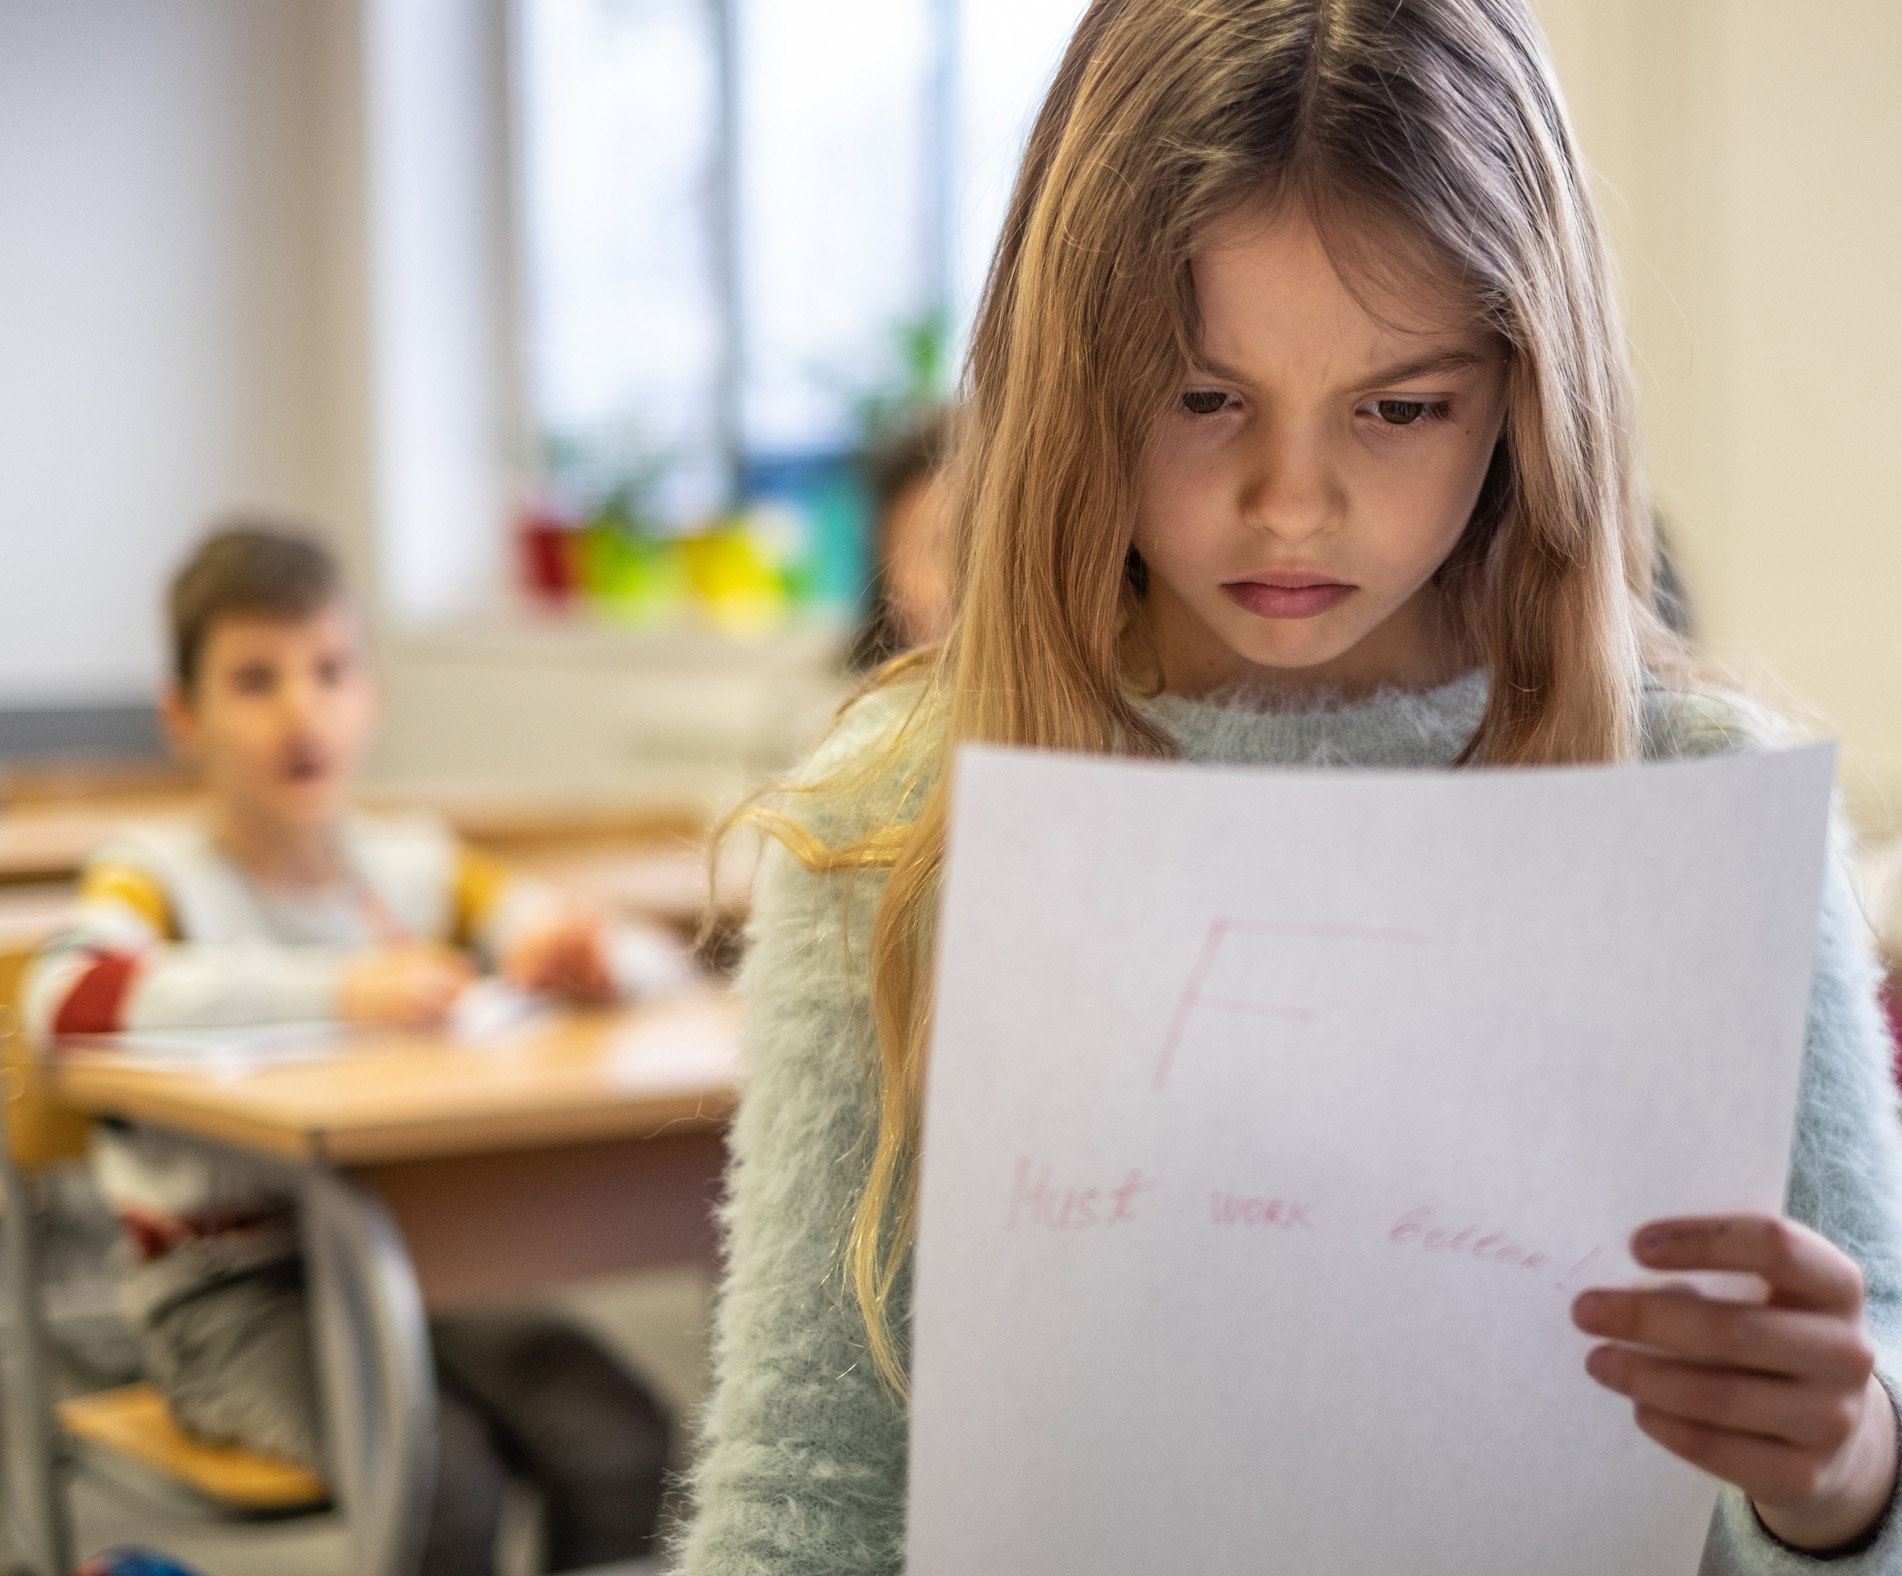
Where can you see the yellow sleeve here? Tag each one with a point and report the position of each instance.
(116, 881)
(480, 881)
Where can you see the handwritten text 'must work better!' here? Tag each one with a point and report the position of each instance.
(1041, 1201)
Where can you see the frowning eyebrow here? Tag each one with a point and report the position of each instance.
(1438, 363)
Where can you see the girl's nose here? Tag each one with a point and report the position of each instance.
(1289, 489)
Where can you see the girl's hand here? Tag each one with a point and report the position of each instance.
(567, 958)
(1779, 1398)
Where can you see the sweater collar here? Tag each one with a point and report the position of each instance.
(1391, 728)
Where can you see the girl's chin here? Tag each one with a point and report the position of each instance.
(1296, 655)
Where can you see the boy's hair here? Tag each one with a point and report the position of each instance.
(247, 566)
(1434, 129)
(912, 453)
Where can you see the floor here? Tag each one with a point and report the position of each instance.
(656, 1321)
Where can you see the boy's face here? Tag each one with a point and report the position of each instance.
(280, 715)
(1317, 469)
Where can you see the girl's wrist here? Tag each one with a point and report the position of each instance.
(1848, 1518)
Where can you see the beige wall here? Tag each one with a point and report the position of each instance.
(1748, 155)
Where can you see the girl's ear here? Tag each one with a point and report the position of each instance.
(180, 722)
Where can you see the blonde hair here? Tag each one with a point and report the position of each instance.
(1440, 119)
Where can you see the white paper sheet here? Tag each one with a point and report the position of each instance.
(229, 1053)
(487, 1013)
(685, 1044)
(491, 1009)
(1275, 1119)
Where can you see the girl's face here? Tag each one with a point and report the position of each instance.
(1317, 468)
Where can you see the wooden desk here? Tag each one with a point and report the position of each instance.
(30, 912)
(626, 860)
(445, 1174)
(661, 880)
(50, 842)
(55, 813)
(582, 1146)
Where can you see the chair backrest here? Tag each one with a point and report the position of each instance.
(39, 1132)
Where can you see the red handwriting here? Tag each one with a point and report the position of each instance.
(1577, 1272)
(1418, 1228)
(1034, 1201)
(1195, 994)
(1232, 1209)
(1041, 1201)
(1475, 1241)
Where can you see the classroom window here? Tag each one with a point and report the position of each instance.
(749, 230)
(619, 115)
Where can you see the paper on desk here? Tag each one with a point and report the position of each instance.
(1275, 1119)
(486, 1012)
(212, 1053)
(492, 1009)
(684, 1044)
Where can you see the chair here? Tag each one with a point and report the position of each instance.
(124, 1436)
(127, 1436)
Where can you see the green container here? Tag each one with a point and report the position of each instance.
(628, 575)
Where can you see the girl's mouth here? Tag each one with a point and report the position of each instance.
(1288, 596)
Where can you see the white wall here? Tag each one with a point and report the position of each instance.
(165, 335)
(441, 319)
(1747, 155)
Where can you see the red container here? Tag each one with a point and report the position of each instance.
(550, 557)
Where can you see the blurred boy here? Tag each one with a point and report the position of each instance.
(283, 905)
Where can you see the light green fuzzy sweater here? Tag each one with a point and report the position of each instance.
(803, 1472)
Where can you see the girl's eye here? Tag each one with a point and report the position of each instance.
(1204, 402)
(1405, 412)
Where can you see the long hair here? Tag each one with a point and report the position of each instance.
(1439, 117)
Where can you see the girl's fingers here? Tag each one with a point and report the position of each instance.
(1768, 1470)
(1804, 1268)
(1820, 1347)
(1811, 1417)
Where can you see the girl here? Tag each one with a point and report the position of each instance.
(1300, 431)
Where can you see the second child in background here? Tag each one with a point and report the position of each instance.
(282, 904)
(913, 551)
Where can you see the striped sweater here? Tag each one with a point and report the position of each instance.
(169, 933)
